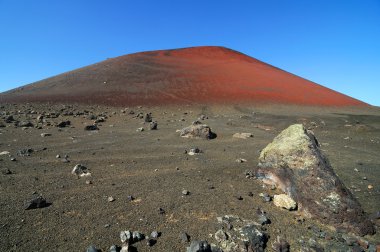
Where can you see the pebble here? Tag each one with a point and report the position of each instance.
(88, 182)
(58, 156)
(155, 234)
(284, 201)
(137, 236)
(184, 237)
(45, 134)
(92, 248)
(114, 248)
(125, 236)
(110, 199)
(185, 192)
(150, 242)
(370, 187)
(6, 172)
(161, 211)
(220, 235)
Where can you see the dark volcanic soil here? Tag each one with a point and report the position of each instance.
(152, 167)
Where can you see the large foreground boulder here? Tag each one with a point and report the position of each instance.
(197, 130)
(294, 163)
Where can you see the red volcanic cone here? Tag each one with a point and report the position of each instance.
(191, 75)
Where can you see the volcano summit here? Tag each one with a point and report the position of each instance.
(206, 75)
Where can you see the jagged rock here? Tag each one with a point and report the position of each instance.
(197, 130)
(37, 202)
(294, 163)
(284, 201)
(254, 239)
(243, 135)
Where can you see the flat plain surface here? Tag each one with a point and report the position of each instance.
(152, 167)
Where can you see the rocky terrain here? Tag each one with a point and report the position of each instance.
(176, 178)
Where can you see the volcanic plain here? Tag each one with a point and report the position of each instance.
(143, 179)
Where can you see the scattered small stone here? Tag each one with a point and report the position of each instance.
(37, 202)
(114, 248)
(239, 197)
(184, 237)
(243, 135)
(199, 246)
(185, 192)
(91, 127)
(370, 187)
(92, 248)
(111, 199)
(140, 129)
(148, 117)
(80, 170)
(284, 201)
(194, 151)
(25, 152)
(88, 182)
(153, 125)
(25, 124)
(266, 197)
(58, 156)
(137, 236)
(281, 245)
(6, 172)
(9, 119)
(4, 153)
(263, 219)
(241, 160)
(45, 134)
(130, 198)
(250, 194)
(107, 225)
(150, 242)
(364, 178)
(126, 236)
(155, 234)
(13, 159)
(161, 211)
(63, 124)
(220, 235)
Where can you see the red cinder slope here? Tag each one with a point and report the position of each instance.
(206, 74)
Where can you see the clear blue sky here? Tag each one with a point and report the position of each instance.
(334, 43)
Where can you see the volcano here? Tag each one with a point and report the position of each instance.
(205, 75)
